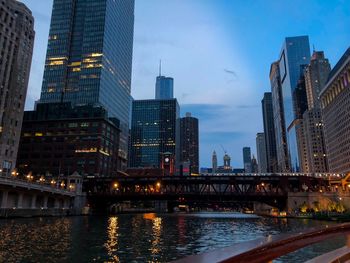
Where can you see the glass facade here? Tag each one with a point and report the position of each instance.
(89, 57)
(154, 130)
(164, 88)
(295, 52)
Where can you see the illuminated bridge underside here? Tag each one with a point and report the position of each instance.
(270, 189)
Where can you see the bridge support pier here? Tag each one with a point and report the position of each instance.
(161, 206)
(20, 201)
(33, 206)
(46, 198)
(4, 198)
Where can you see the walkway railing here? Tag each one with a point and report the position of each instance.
(17, 182)
(269, 248)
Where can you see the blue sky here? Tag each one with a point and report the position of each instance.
(219, 53)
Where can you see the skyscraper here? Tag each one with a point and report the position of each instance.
(17, 39)
(164, 88)
(295, 52)
(214, 160)
(189, 142)
(283, 161)
(89, 57)
(335, 98)
(269, 133)
(316, 74)
(247, 159)
(261, 152)
(155, 130)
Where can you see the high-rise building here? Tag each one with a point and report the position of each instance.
(335, 99)
(247, 159)
(316, 74)
(261, 152)
(189, 142)
(164, 88)
(89, 57)
(300, 106)
(58, 139)
(295, 52)
(283, 161)
(155, 130)
(314, 137)
(269, 133)
(214, 160)
(17, 39)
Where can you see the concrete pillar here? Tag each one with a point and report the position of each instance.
(46, 198)
(57, 203)
(33, 206)
(66, 203)
(20, 200)
(5, 194)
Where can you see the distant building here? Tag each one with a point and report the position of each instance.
(247, 160)
(283, 158)
(155, 130)
(261, 152)
(164, 88)
(335, 99)
(294, 53)
(58, 139)
(255, 168)
(269, 133)
(189, 143)
(316, 74)
(89, 58)
(214, 160)
(17, 40)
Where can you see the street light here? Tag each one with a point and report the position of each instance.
(115, 185)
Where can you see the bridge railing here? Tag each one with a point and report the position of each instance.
(18, 182)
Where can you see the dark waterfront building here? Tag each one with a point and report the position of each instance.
(89, 57)
(335, 99)
(316, 74)
(269, 133)
(247, 159)
(164, 88)
(283, 161)
(155, 130)
(58, 139)
(189, 143)
(261, 152)
(16, 40)
(295, 52)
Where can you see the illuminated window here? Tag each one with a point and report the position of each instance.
(76, 69)
(38, 134)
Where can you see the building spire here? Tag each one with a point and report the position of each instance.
(160, 67)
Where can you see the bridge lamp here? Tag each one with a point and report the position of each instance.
(53, 182)
(262, 184)
(63, 184)
(115, 185)
(158, 184)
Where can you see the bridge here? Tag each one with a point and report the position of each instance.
(24, 197)
(272, 189)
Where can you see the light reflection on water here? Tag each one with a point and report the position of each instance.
(139, 238)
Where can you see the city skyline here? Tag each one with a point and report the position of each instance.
(214, 55)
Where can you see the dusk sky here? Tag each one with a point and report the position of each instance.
(219, 53)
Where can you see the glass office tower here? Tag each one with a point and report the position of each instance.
(155, 130)
(295, 53)
(164, 88)
(89, 57)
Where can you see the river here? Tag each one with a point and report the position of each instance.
(141, 237)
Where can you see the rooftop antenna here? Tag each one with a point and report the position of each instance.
(313, 46)
(223, 149)
(160, 67)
